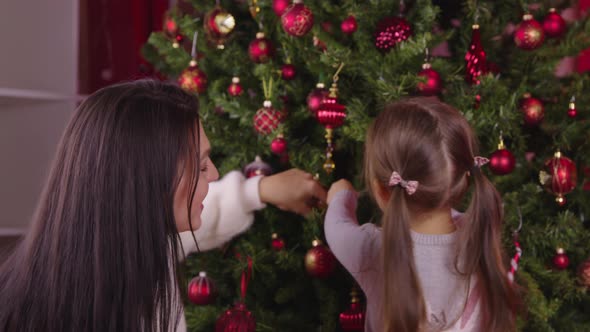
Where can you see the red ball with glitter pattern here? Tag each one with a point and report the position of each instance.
(390, 31)
(297, 19)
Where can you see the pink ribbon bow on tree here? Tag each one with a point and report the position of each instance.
(409, 186)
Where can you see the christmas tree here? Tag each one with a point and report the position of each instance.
(297, 84)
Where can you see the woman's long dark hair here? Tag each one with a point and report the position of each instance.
(102, 249)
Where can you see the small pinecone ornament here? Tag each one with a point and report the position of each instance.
(261, 49)
(266, 119)
(193, 79)
(235, 89)
(554, 25)
(257, 167)
(297, 19)
(559, 177)
(353, 319)
(529, 34)
(502, 161)
(320, 261)
(201, 290)
(560, 260)
(390, 31)
(532, 109)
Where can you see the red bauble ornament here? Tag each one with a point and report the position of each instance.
(554, 25)
(278, 145)
(279, 6)
(319, 260)
(533, 110)
(266, 119)
(288, 72)
(297, 19)
(257, 167)
(193, 79)
(316, 97)
(502, 162)
(237, 319)
(559, 177)
(201, 290)
(349, 25)
(529, 33)
(330, 113)
(278, 243)
(170, 26)
(390, 31)
(235, 89)
(560, 260)
(584, 273)
(353, 319)
(433, 84)
(572, 112)
(218, 24)
(261, 49)
(475, 58)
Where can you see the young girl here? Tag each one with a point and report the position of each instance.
(427, 268)
(130, 174)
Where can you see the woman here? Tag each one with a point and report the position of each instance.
(131, 172)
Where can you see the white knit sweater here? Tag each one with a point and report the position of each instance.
(228, 211)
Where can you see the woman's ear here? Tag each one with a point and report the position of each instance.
(381, 194)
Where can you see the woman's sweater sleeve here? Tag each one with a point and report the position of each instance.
(228, 211)
(353, 245)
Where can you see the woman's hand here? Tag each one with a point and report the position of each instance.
(291, 190)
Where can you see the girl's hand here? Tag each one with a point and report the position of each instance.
(337, 186)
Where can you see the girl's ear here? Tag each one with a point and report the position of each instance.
(381, 194)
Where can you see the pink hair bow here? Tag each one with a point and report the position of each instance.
(480, 161)
(396, 179)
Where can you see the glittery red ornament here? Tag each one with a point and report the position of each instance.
(235, 89)
(572, 112)
(316, 97)
(201, 290)
(288, 72)
(349, 25)
(554, 25)
(319, 260)
(218, 24)
(584, 273)
(529, 33)
(559, 177)
(278, 243)
(353, 319)
(560, 260)
(237, 319)
(475, 58)
(297, 19)
(433, 84)
(330, 113)
(266, 119)
(257, 167)
(279, 6)
(261, 49)
(533, 110)
(193, 79)
(390, 31)
(278, 145)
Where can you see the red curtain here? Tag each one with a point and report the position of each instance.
(112, 33)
